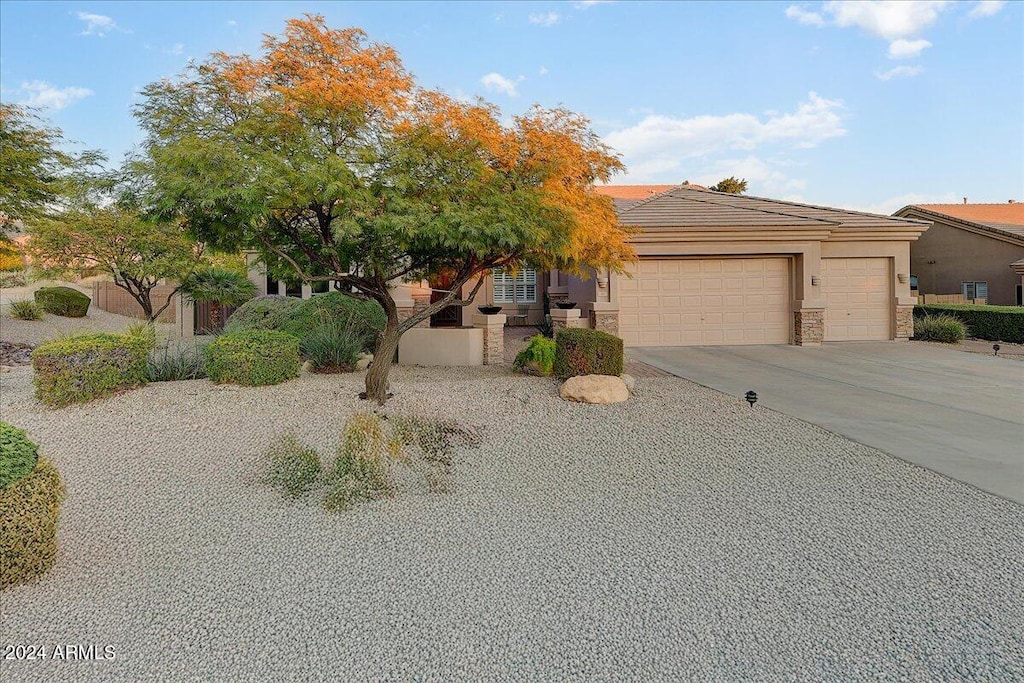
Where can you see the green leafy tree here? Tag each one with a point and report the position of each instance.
(323, 154)
(218, 287)
(731, 185)
(137, 253)
(36, 176)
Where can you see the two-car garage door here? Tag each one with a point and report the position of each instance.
(705, 302)
(731, 301)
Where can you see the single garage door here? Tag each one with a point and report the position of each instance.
(857, 299)
(705, 302)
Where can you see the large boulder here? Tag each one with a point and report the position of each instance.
(594, 389)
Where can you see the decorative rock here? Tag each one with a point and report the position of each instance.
(307, 367)
(364, 361)
(630, 381)
(594, 389)
(5, 368)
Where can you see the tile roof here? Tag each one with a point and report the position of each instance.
(688, 206)
(631, 192)
(1001, 219)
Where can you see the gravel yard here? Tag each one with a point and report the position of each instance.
(678, 536)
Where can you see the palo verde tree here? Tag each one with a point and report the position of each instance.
(324, 155)
(136, 252)
(36, 174)
(731, 185)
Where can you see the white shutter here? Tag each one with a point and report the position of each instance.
(521, 289)
(981, 290)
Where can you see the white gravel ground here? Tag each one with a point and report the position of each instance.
(679, 536)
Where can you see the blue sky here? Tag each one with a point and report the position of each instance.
(854, 104)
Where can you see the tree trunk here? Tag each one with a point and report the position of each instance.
(377, 374)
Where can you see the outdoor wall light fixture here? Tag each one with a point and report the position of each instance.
(995, 349)
(902, 277)
(602, 282)
(751, 397)
(815, 280)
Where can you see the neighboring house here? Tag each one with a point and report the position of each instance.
(718, 269)
(970, 250)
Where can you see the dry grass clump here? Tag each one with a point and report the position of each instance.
(29, 509)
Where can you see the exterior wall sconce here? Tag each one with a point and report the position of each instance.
(602, 282)
(815, 280)
(902, 277)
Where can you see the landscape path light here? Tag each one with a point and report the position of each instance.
(751, 397)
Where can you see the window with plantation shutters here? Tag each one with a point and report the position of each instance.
(520, 288)
(974, 290)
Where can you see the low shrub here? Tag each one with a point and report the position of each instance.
(176, 362)
(538, 358)
(580, 351)
(83, 367)
(366, 317)
(10, 258)
(144, 332)
(29, 509)
(362, 468)
(18, 455)
(334, 346)
(13, 278)
(255, 358)
(63, 301)
(995, 323)
(940, 327)
(26, 309)
(291, 467)
(261, 313)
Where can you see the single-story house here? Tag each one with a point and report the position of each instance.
(971, 250)
(719, 269)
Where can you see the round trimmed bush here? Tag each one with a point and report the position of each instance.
(29, 509)
(63, 301)
(580, 351)
(18, 455)
(261, 313)
(365, 318)
(254, 358)
(538, 358)
(87, 366)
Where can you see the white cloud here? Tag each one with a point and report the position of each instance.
(986, 8)
(887, 206)
(495, 82)
(543, 71)
(764, 177)
(587, 4)
(175, 49)
(98, 24)
(889, 19)
(544, 19)
(899, 72)
(232, 22)
(901, 48)
(45, 96)
(659, 144)
(805, 17)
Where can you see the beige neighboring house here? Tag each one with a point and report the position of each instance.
(974, 250)
(717, 269)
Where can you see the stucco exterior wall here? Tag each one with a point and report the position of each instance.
(961, 256)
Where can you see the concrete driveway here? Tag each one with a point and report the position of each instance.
(960, 414)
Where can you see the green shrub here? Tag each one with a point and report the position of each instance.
(83, 367)
(26, 309)
(255, 358)
(362, 469)
(63, 301)
(334, 346)
(995, 323)
(940, 327)
(261, 313)
(291, 467)
(29, 509)
(538, 358)
(12, 278)
(18, 455)
(366, 317)
(580, 351)
(144, 332)
(174, 362)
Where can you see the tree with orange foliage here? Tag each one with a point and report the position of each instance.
(324, 155)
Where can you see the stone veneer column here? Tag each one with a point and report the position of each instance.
(604, 316)
(565, 317)
(904, 322)
(420, 301)
(808, 327)
(494, 336)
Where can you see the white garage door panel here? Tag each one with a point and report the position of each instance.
(693, 302)
(858, 299)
